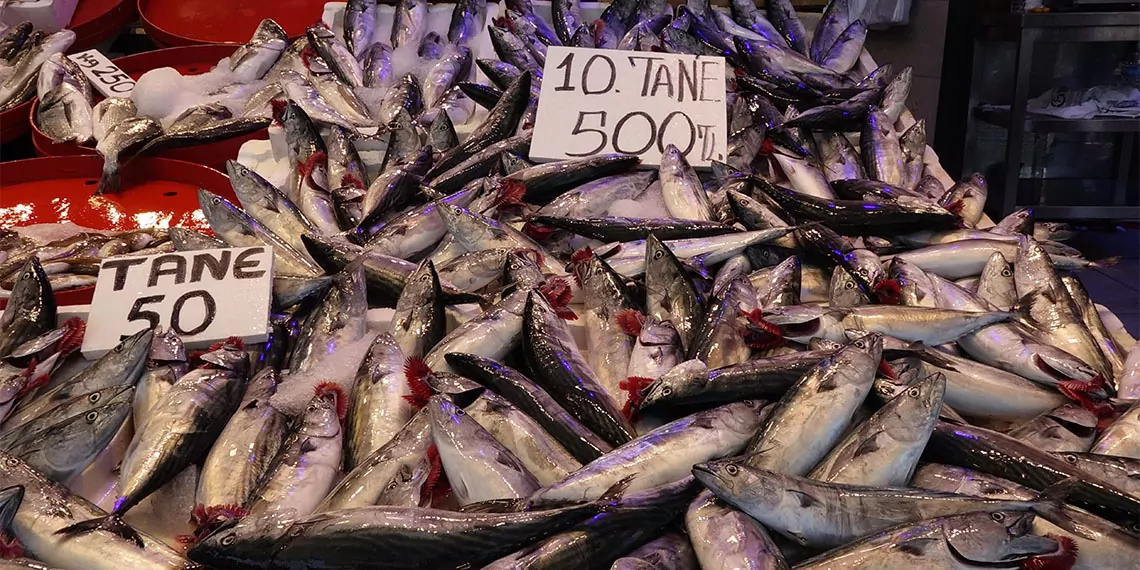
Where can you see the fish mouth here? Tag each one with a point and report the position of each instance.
(1012, 562)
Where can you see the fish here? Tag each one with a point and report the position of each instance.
(255, 58)
(377, 64)
(895, 94)
(661, 456)
(238, 229)
(685, 198)
(1066, 428)
(828, 515)
(978, 540)
(457, 537)
(1113, 353)
(183, 426)
(1122, 437)
(528, 396)
(399, 473)
(536, 450)
(845, 51)
(419, 322)
(723, 537)
(478, 467)
(108, 113)
(452, 67)
(671, 551)
(967, 198)
(608, 346)
(784, 18)
(32, 309)
(336, 321)
(267, 204)
(65, 109)
(124, 137)
(884, 450)
(468, 18)
(493, 334)
(914, 324)
(560, 369)
(378, 409)
(246, 447)
(881, 151)
(336, 55)
(406, 96)
(47, 507)
(799, 433)
(20, 81)
(360, 26)
(1119, 471)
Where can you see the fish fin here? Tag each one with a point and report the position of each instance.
(869, 445)
(806, 500)
(207, 519)
(614, 494)
(10, 547)
(109, 180)
(917, 546)
(1058, 492)
(1063, 559)
(111, 523)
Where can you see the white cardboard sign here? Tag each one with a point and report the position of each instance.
(103, 73)
(597, 101)
(204, 296)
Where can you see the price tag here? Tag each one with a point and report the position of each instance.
(204, 296)
(596, 101)
(104, 74)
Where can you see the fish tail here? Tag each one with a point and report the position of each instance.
(112, 523)
(1107, 262)
(109, 180)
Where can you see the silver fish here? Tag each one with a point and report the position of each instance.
(410, 23)
(338, 320)
(129, 134)
(360, 25)
(265, 203)
(261, 52)
(478, 467)
(727, 539)
(33, 309)
(110, 112)
(881, 151)
(419, 322)
(379, 408)
(1066, 428)
(536, 450)
(238, 229)
(1122, 436)
(685, 198)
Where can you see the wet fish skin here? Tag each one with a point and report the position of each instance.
(62, 450)
(238, 229)
(941, 543)
(1113, 353)
(727, 539)
(663, 455)
(1122, 472)
(538, 452)
(467, 19)
(998, 454)
(261, 52)
(799, 432)
(378, 409)
(671, 295)
(1067, 428)
(119, 140)
(380, 537)
(245, 448)
(122, 366)
(339, 58)
(31, 308)
(1122, 436)
(881, 150)
(338, 320)
(551, 352)
(110, 112)
(685, 198)
(995, 284)
(267, 204)
(360, 26)
(884, 449)
(48, 506)
(828, 515)
(477, 465)
(608, 346)
(783, 16)
(419, 322)
(896, 93)
(395, 474)
(528, 396)
(377, 65)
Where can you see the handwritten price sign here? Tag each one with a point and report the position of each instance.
(596, 101)
(104, 74)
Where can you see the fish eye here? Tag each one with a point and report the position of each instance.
(913, 392)
(91, 416)
(11, 462)
(228, 539)
(1006, 273)
(1070, 458)
(998, 517)
(860, 344)
(460, 412)
(849, 285)
(732, 469)
(94, 397)
(658, 254)
(666, 391)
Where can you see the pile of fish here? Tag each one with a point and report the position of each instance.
(816, 356)
(70, 258)
(24, 51)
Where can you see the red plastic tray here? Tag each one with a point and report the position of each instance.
(157, 193)
(14, 122)
(191, 22)
(97, 20)
(188, 60)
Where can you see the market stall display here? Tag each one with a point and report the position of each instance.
(817, 353)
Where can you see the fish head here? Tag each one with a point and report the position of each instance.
(996, 280)
(521, 268)
(69, 446)
(240, 540)
(31, 296)
(679, 380)
(867, 348)
(167, 346)
(658, 333)
(919, 403)
(261, 387)
(998, 537)
(844, 290)
(322, 417)
(1032, 268)
(733, 478)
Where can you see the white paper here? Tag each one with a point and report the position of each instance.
(204, 296)
(597, 101)
(103, 73)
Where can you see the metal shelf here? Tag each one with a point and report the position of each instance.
(1048, 124)
(1060, 26)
